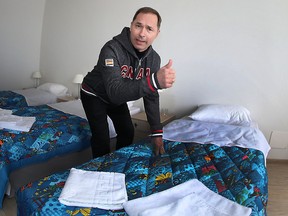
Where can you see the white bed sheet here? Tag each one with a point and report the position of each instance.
(35, 97)
(75, 108)
(187, 130)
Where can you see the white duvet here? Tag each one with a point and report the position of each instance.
(187, 130)
(35, 97)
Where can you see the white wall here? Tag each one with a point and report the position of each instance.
(74, 32)
(20, 41)
(224, 51)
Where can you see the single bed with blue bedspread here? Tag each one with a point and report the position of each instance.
(239, 174)
(230, 160)
(53, 133)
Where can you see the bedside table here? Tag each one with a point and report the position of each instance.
(65, 98)
(142, 127)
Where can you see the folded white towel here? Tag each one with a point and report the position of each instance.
(105, 190)
(19, 123)
(189, 198)
(4, 112)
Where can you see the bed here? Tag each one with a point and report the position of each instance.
(53, 133)
(46, 93)
(224, 157)
(58, 139)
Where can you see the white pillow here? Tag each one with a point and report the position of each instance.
(54, 88)
(220, 113)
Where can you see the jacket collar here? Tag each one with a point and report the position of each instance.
(124, 39)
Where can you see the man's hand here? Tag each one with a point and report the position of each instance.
(166, 75)
(158, 146)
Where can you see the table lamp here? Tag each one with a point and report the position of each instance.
(36, 76)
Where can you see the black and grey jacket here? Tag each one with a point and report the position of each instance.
(120, 76)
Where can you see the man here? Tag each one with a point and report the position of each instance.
(128, 68)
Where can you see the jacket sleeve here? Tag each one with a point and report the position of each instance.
(151, 105)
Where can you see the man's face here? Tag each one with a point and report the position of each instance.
(144, 30)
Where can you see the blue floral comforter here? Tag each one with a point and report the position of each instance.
(10, 99)
(236, 173)
(53, 133)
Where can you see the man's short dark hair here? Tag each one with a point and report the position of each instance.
(146, 10)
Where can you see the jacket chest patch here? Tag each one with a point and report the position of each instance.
(109, 62)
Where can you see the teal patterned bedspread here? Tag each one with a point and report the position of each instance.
(10, 99)
(53, 133)
(238, 174)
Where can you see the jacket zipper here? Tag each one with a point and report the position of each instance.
(139, 65)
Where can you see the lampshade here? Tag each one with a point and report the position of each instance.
(36, 75)
(78, 78)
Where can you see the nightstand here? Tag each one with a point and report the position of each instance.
(142, 127)
(65, 98)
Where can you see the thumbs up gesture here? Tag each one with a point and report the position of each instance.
(166, 75)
